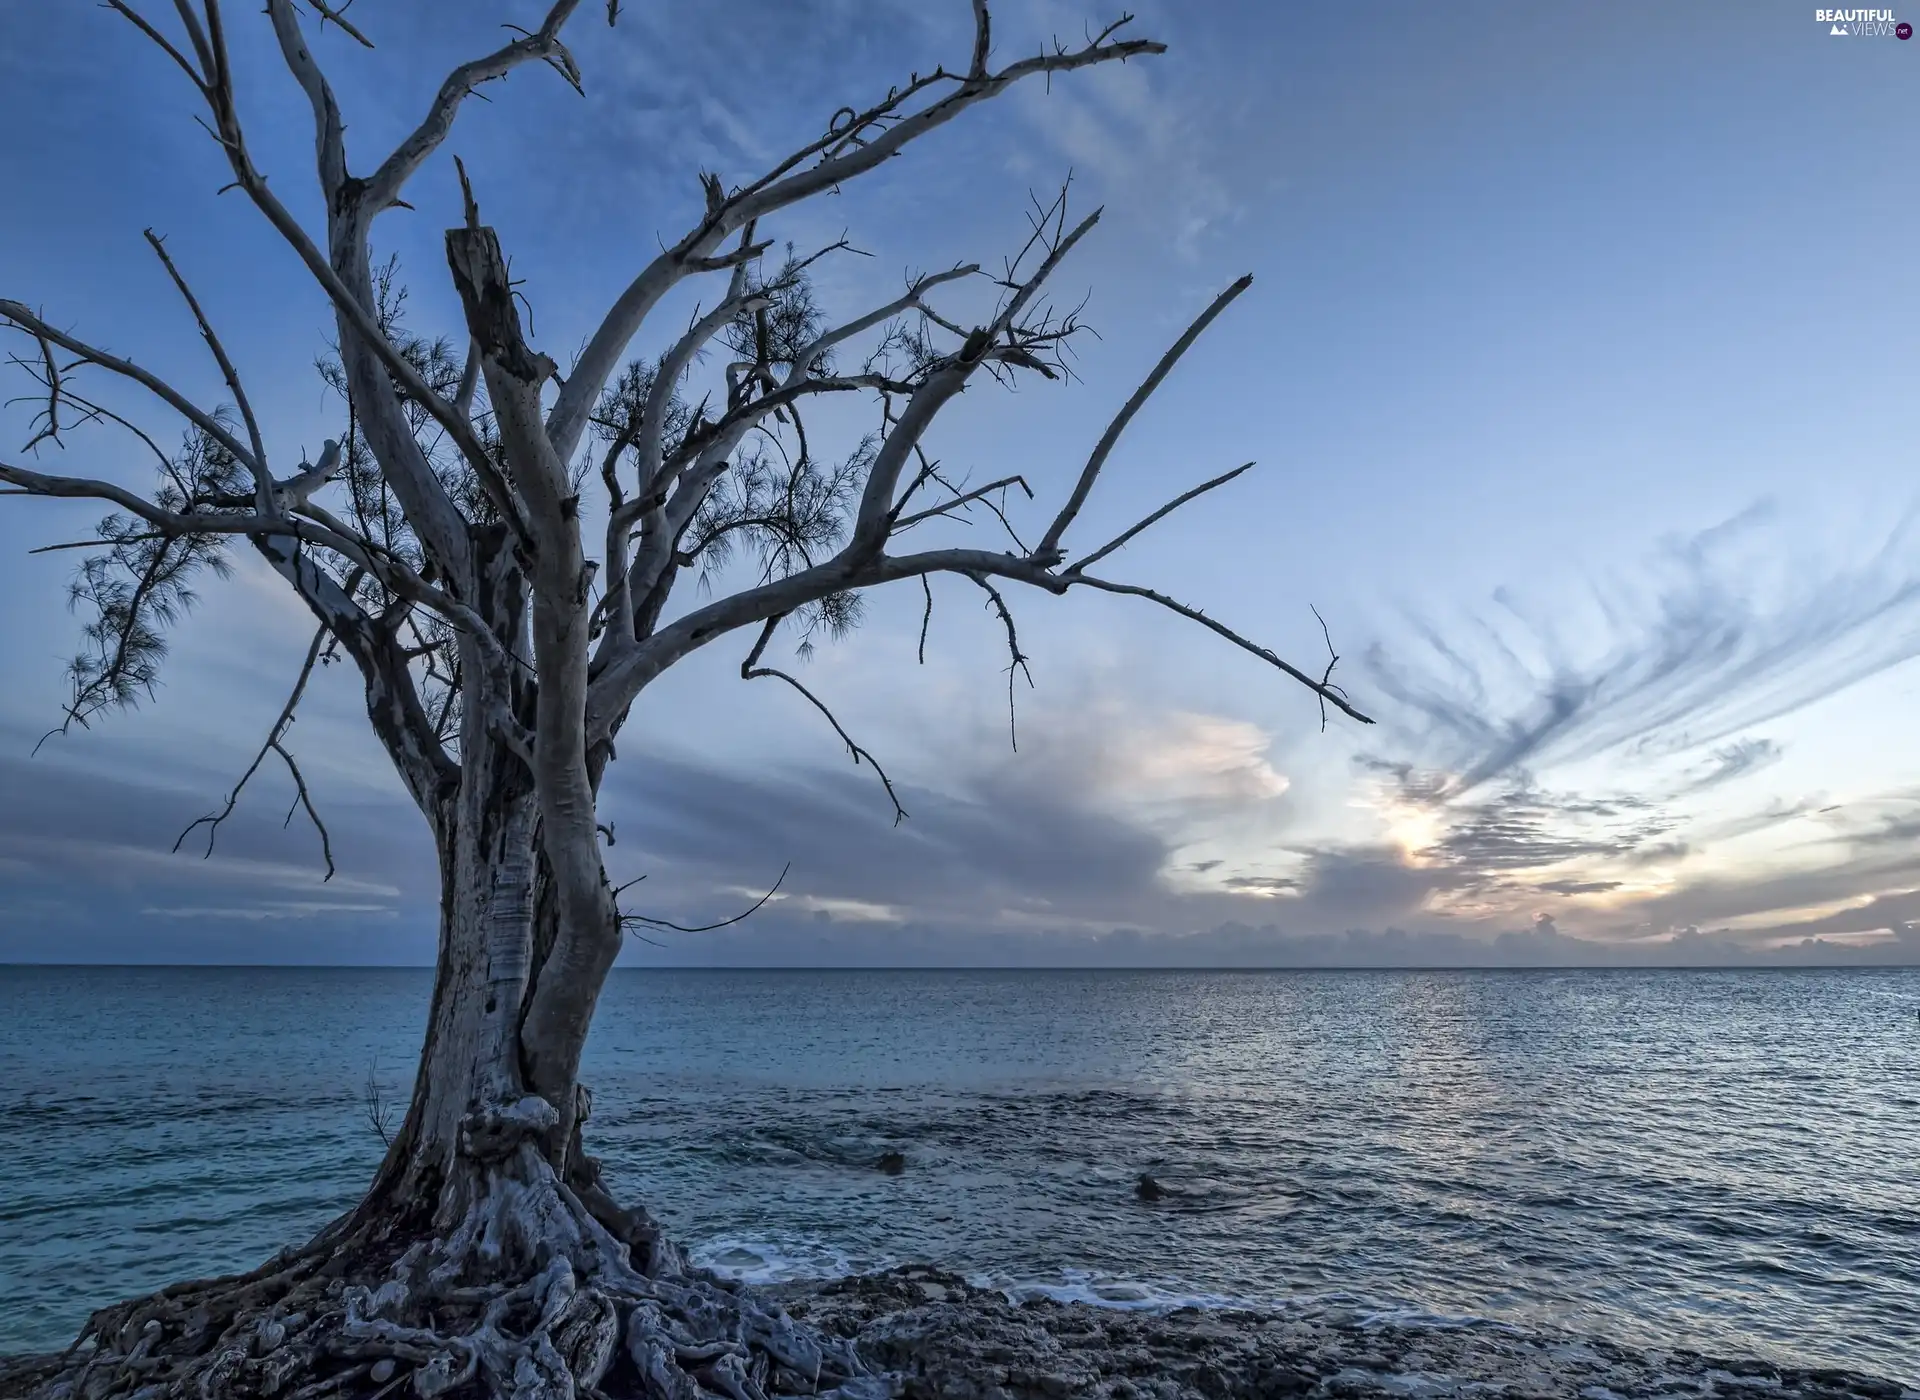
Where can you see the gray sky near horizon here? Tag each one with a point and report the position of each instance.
(1579, 366)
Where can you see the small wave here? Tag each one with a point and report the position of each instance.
(1085, 1286)
(798, 1146)
(1336, 1309)
(758, 1261)
(1415, 1319)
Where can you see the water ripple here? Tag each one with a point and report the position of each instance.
(1721, 1161)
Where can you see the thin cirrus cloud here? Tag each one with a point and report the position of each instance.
(1729, 635)
(1733, 761)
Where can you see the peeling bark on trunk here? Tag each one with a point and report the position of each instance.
(485, 835)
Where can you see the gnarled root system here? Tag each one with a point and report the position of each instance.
(530, 1288)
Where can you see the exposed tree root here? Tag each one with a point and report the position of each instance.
(528, 1288)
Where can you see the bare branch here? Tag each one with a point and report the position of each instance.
(912, 301)
(325, 532)
(50, 416)
(1050, 543)
(329, 132)
(96, 542)
(648, 443)
(1329, 694)
(215, 81)
(849, 152)
(877, 502)
(961, 500)
(262, 480)
(27, 321)
(1024, 292)
(926, 618)
(274, 744)
(845, 151)
(1168, 509)
(91, 412)
(303, 799)
(1333, 659)
(1018, 663)
(329, 15)
(165, 44)
(651, 922)
(469, 380)
(750, 670)
(726, 262)
(384, 185)
(615, 685)
(168, 521)
(393, 702)
(297, 490)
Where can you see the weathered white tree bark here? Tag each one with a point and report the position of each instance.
(440, 547)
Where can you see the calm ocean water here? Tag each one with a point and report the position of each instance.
(1728, 1161)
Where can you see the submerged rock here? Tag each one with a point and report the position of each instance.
(892, 1163)
(1147, 1189)
(947, 1340)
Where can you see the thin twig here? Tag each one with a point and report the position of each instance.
(262, 478)
(1330, 694)
(977, 494)
(1333, 659)
(95, 544)
(374, 1103)
(651, 922)
(1050, 544)
(1169, 508)
(1018, 663)
(274, 745)
(749, 670)
(329, 15)
(51, 414)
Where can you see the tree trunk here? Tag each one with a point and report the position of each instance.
(470, 1054)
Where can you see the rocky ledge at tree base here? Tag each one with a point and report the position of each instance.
(945, 1340)
(933, 1336)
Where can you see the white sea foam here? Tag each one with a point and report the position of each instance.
(1101, 1291)
(1339, 1309)
(760, 1261)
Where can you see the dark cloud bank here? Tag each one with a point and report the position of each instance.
(1009, 875)
(783, 943)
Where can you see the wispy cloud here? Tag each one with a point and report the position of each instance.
(1733, 761)
(1731, 631)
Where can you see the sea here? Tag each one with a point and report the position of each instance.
(1722, 1161)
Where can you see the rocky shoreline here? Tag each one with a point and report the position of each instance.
(951, 1341)
(941, 1338)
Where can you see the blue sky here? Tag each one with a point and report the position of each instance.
(1579, 367)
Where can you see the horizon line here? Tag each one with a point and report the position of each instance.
(1047, 967)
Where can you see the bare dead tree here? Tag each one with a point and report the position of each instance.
(441, 545)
